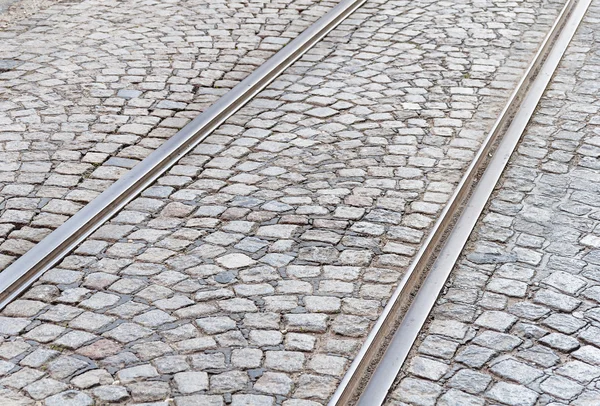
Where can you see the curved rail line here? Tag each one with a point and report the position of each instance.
(29, 267)
(371, 375)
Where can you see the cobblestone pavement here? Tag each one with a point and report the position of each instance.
(252, 271)
(89, 89)
(519, 320)
(12, 11)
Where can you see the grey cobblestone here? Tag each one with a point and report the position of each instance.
(535, 251)
(71, 124)
(263, 258)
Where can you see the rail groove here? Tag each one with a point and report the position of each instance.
(372, 373)
(29, 267)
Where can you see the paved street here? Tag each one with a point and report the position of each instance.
(86, 82)
(251, 273)
(518, 323)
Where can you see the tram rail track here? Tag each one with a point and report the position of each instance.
(370, 376)
(373, 371)
(48, 252)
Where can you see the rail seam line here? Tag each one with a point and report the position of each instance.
(446, 240)
(30, 266)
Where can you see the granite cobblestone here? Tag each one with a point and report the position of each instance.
(261, 260)
(529, 273)
(97, 85)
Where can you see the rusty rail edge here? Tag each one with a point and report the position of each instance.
(410, 304)
(30, 266)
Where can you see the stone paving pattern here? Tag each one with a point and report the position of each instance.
(253, 270)
(89, 89)
(519, 321)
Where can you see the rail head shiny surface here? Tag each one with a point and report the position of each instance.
(381, 380)
(48, 252)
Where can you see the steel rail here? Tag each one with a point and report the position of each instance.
(29, 267)
(413, 300)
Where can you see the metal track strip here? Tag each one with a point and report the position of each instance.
(29, 267)
(441, 249)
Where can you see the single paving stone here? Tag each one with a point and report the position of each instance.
(560, 342)
(497, 341)
(39, 357)
(90, 321)
(507, 287)
(6, 367)
(154, 318)
(195, 345)
(75, 339)
(287, 361)
(300, 402)
(12, 325)
(589, 354)
(556, 300)
(65, 366)
(234, 261)
(417, 391)
(579, 371)
(277, 231)
(265, 338)
(448, 328)
(11, 349)
(560, 387)
(190, 382)
(69, 398)
(475, 356)
(100, 349)
(274, 383)
(511, 394)
(44, 388)
(171, 364)
(99, 300)
(213, 325)
(137, 373)
(528, 310)
(300, 342)
(208, 361)
(587, 398)
(516, 371)
(92, 378)
(232, 381)
(327, 364)
(306, 322)
(252, 400)
(61, 276)
(495, 320)
(470, 381)
(111, 393)
(590, 335)
(149, 391)
(565, 282)
(427, 368)
(457, 398)
(23, 308)
(246, 358)
(438, 347)
(315, 387)
(564, 323)
(22, 378)
(539, 355)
